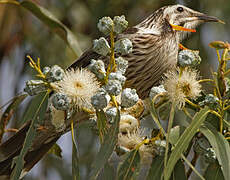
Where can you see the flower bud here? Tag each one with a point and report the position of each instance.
(101, 46)
(105, 25)
(188, 58)
(61, 101)
(46, 70)
(161, 145)
(120, 24)
(111, 114)
(117, 76)
(128, 123)
(34, 87)
(210, 100)
(100, 100)
(129, 97)
(98, 68)
(56, 73)
(113, 87)
(123, 46)
(156, 90)
(210, 156)
(122, 64)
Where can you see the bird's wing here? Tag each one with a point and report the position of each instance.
(84, 60)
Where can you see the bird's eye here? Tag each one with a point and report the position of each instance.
(180, 9)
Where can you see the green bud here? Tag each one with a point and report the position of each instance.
(105, 25)
(56, 73)
(34, 87)
(120, 24)
(123, 46)
(101, 46)
(188, 58)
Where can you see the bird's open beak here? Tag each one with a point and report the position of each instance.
(206, 18)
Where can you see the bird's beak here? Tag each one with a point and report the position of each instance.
(196, 17)
(206, 18)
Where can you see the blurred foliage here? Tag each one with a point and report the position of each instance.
(21, 34)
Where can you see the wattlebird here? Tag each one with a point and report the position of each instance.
(155, 42)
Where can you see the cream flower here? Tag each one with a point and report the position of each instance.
(133, 139)
(79, 85)
(182, 86)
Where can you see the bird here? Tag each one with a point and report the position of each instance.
(155, 41)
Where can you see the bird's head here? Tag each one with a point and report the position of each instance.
(176, 19)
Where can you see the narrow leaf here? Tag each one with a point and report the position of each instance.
(16, 101)
(108, 172)
(174, 134)
(156, 170)
(130, 165)
(75, 161)
(179, 171)
(213, 172)
(221, 147)
(27, 144)
(184, 140)
(101, 123)
(52, 22)
(107, 147)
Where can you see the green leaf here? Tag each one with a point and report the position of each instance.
(75, 160)
(107, 147)
(52, 22)
(108, 172)
(15, 102)
(130, 165)
(179, 171)
(213, 172)
(184, 140)
(221, 147)
(101, 123)
(174, 134)
(56, 150)
(31, 109)
(154, 115)
(156, 170)
(19, 161)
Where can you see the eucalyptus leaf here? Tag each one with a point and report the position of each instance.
(179, 171)
(221, 147)
(130, 165)
(213, 172)
(174, 134)
(31, 109)
(107, 147)
(101, 123)
(108, 172)
(52, 22)
(15, 102)
(75, 161)
(184, 140)
(156, 169)
(19, 161)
